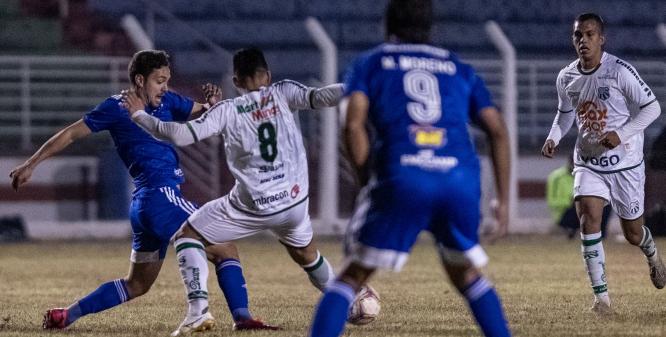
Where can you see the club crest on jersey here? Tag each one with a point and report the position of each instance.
(427, 136)
(603, 93)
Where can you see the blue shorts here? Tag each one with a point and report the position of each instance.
(390, 214)
(156, 214)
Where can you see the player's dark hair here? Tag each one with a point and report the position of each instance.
(594, 17)
(247, 61)
(145, 61)
(409, 20)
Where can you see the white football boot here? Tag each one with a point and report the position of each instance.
(195, 324)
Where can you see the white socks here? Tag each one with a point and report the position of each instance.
(595, 262)
(193, 267)
(319, 272)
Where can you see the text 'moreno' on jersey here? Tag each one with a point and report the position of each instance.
(604, 99)
(151, 163)
(263, 145)
(421, 101)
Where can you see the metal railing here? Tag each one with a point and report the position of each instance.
(41, 94)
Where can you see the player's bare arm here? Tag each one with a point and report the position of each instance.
(58, 142)
(212, 94)
(356, 136)
(498, 137)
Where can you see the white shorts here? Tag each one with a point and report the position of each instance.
(218, 221)
(624, 190)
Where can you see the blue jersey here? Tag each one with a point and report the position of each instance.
(150, 162)
(422, 99)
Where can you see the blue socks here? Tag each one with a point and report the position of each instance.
(486, 308)
(332, 310)
(108, 295)
(231, 281)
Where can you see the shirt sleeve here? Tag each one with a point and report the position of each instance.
(180, 106)
(212, 122)
(563, 102)
(357, 78)
(480, 97)
(103, 116)
(635, 90)
(298, 96)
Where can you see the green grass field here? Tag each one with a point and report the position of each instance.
(541, 280)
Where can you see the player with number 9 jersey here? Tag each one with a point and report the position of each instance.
(422, 99)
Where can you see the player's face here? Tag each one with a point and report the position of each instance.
(155, 85)
(588, 40)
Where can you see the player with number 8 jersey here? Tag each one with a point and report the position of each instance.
(265, 153)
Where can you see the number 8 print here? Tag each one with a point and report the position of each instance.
(267, 141)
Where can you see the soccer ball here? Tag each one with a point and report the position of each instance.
(365, 308)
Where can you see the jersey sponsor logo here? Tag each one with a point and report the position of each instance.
(270, 199)
(603, 161)
(261, 114)
(603, 93)
(432, 65)
(275, 177)
(295, 190)
(592, 117)
(426, 159)
(244, 108)
(631, 70)
(270, 168)
(426, 136)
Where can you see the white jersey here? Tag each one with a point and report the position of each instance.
(263, 146)
(604, 99)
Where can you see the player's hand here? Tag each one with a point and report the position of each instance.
(548, 149)
(500, 212)
(610, 140)
(212, 93)
(20, 175)
(131, 101)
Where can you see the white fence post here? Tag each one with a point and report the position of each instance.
(509, 106)
(136, 33)
(328, 163)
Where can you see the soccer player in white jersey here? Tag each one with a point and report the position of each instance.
(612, 106)
(265, 154)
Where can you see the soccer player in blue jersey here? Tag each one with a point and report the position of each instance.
(422, 169)
(158, 209)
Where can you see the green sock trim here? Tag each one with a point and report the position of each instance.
(600, 289)
(316, 266)
(188, 245)
(591, 242)
(197, 294)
